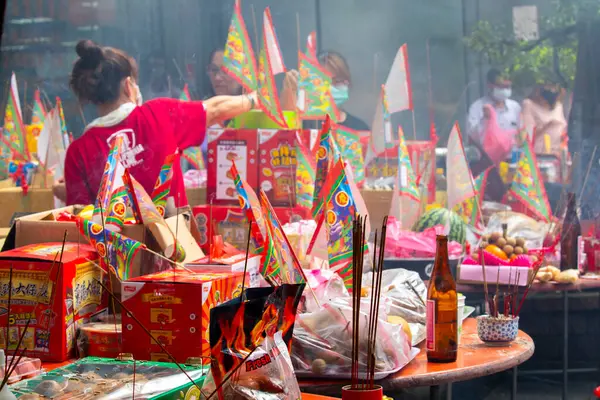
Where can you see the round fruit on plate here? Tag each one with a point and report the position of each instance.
(441, 216)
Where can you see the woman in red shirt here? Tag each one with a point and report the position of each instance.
(106, 77)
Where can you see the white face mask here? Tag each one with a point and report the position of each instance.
(501, 94)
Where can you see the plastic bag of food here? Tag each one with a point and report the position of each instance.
(326, 285)
(405, 293)
(322, 343)
(520, 225)
(238, 332)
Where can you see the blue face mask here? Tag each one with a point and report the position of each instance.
(339, 94)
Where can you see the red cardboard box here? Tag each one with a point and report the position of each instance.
(231, 223)
(277, 165)
(68, 294)
(175, 307)
(225, 146)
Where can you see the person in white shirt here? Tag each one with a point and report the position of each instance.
(508, 111)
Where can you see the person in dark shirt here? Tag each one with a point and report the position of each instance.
(338, 67)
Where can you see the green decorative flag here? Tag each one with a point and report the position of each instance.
(305, 177)
(348, 141)
(270, 63)
(238, 60)
(327, 155)
(406, 201)
(185, 94)
(39, 111)
(470, 209)
(528, 187)
(14, 143)
(314, 90)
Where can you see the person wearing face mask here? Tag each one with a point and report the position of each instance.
(106, 77)
(544, 119)
(338, 67)
(498, 102)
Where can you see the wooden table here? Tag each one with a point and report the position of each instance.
(475, 359)
(566, 291)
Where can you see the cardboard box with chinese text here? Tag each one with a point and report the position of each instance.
(175, 307)
(57, 299)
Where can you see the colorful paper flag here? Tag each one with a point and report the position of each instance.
(278, 249)
(251, 205)
(528, 187)
(146, 213)
(397, 85)
(238, 60)
(406, 197)
(111, 178)
(50, 148)
(14, 128)
(115, 249)
(185, 94)
(162, 188)
(195, 157)
(63, 123)
(314, 90)
(339, 213)
(327, 155)
(460, 182)
(348, 141)
(470, 209)
(270, 63)
(305, 176)
(120, 203)
(39, 111)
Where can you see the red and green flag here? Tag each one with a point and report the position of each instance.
(280, 262)
(63, 124)
(238, 60)
(338, 216)
(305, 176)
(470, 209)
(162, 188)
(112, 177)
(528, 187)
(327, 155)
(348, 141)
(115, 249)
(194, 156)
(270, 63)
(314, 90)
(14, 143)
(185, 94)
(39, 111)
(250, 204)
(406, 201)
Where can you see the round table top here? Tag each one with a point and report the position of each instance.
(582, 284)
(475, 359)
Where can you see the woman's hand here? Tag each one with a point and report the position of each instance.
(59, 189)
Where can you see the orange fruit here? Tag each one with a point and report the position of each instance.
(496, 251)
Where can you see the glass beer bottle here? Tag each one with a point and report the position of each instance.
(570, 235)
(442, 308)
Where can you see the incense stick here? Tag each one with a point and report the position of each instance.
(246, 260)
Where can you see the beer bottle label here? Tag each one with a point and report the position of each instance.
(430, 342)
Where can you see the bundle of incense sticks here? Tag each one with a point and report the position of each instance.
(367, 382)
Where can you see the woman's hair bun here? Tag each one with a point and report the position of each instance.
(89, 52)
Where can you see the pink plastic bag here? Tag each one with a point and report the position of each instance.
(498, 143)
(408, 244)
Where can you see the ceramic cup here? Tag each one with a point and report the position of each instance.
(360, 394)
(497, 330)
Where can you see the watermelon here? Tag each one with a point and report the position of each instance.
(440, 216)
